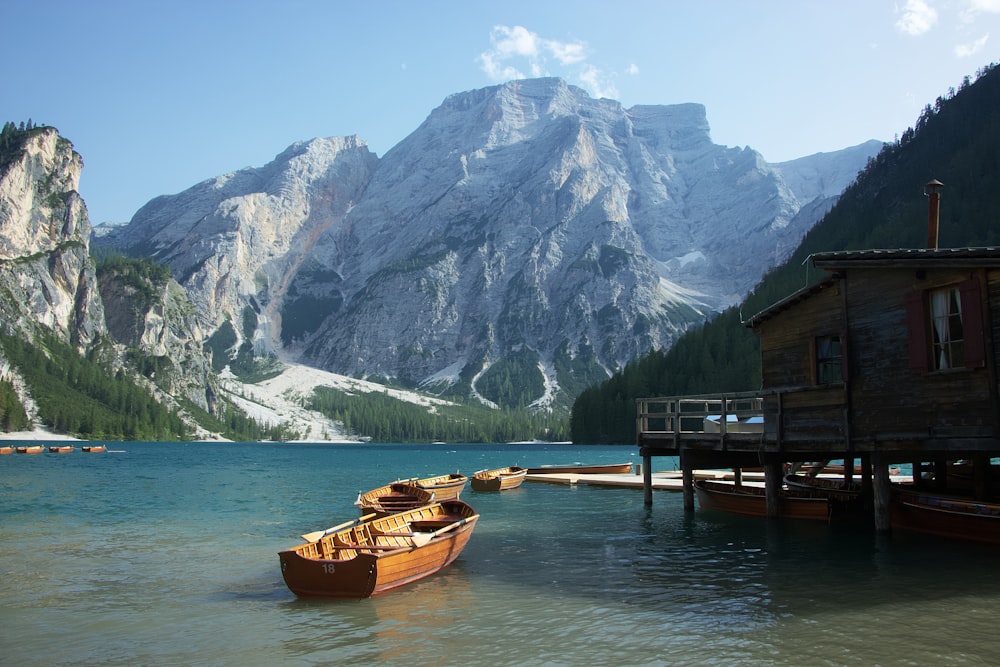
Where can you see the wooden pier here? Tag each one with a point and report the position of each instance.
(891, 359)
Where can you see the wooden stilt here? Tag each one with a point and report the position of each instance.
(883, 494)
(647, 480)
(687, 473)
(772, 483)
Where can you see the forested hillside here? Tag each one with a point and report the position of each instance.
(956, 140)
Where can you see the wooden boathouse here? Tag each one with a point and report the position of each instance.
(891, 358)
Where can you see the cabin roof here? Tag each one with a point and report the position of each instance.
(906, 257)
(789, 301)
(880, 259)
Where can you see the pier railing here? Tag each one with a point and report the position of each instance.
(716, 413)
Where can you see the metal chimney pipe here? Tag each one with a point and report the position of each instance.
(933, 192)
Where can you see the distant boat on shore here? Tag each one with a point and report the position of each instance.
(584, 469)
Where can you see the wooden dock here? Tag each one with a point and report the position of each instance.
(668, 480)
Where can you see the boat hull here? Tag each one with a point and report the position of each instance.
(752, 501)
(31, 449)
(444, 487)
(393, 498)
(945, 516)
(499, 479)
(584, 469)
(351, 564)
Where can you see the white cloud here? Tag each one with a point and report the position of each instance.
(918, 18)
(518, 53)
(976, 7)
(972, 48)
(597, 83)
(633, 69)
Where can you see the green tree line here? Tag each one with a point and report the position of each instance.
(383, 418)
(76, 394)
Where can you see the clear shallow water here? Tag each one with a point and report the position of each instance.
(166, 554)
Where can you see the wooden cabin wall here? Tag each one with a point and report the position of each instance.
(786, 340)
(889, 399)
(815, 414)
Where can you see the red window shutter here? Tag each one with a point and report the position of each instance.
(916, 326)
(972, 324)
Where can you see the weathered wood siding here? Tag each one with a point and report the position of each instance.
(883, 398)
(889, 398)
(811, 413)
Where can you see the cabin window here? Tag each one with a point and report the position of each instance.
(946, 328)
(829, 367)
(947, 339)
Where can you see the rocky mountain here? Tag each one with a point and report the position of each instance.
(525, 241)
(49, 284)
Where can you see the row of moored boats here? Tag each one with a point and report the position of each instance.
(52, 449)
(951, 512)
(408, 529)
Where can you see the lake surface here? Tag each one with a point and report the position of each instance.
(166, 554)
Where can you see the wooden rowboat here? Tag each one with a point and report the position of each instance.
(7, 449)
(748, 500)
(444, 487)
(584, 469)
(498, 479)
(952, 517)
(393, 498)
(61, 449)
(835, 485)
(30, 449)
(95, 448)
(373, 555)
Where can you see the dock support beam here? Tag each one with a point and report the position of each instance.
(772, 488)
(687, 476)
(647, 480)
(883, 493)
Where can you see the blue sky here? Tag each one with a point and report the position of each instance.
(157, 96)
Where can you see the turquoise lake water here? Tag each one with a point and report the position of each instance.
(166, 554)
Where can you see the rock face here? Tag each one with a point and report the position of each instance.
(525, 234)
(48, 282)
(45, 269)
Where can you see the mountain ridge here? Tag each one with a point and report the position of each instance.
(522, 216)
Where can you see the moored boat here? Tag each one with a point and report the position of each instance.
(30, 449)
(393, 498)
(751, 500)
(444, 487)
(7, 449)
(373, 555)
(61, 449)
(584, 469)
(836, 485)
(498, 479)
(94, 448)
(952, 517)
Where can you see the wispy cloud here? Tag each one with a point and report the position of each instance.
(917, 18)
(972, 48)
(518, 53)
(975, 7)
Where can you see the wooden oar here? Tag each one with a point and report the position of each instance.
(317, 535)
(420, 539)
